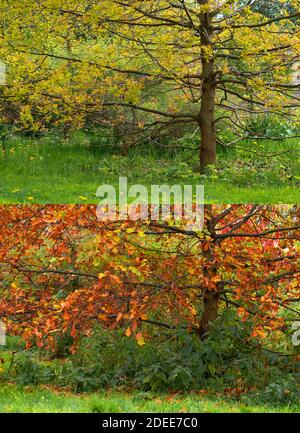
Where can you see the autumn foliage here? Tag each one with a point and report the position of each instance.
(63, 272)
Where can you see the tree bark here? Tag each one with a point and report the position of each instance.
(209, 313)
(207, 110)
(210, 298)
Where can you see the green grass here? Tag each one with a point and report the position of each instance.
(37, 399)
(49, 170)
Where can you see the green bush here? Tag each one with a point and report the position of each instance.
(269, 126)
(168, 362)
(28, 371)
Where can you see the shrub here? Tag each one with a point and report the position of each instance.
(168, 362)
(269, 126)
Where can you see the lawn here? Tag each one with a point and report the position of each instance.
(51, 170)
(37, 399)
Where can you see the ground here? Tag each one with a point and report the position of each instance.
(50, 170)
(36, 399)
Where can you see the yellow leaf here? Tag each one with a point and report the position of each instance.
(140, 340)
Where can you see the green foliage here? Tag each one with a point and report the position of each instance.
(223, 363)
(269, 126)
(29, 371)
(284, 391)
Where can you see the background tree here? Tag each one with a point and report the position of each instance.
(269, 9)
(207, 63)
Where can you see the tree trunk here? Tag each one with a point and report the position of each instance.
(209, 313)
(207, 111)
(210, 298)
